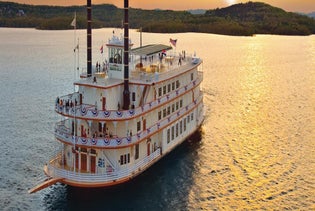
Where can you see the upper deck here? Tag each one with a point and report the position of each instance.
(144, 71)
(100, 96)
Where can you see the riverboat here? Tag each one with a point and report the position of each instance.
(126, 114)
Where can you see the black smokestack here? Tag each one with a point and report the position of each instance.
(126, 57)
(89, 38)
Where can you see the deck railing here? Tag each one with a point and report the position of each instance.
(108, 142)
(57, 171)
(162, 70)
(84, 111)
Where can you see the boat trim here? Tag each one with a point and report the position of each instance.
(88, 112)
(123, 142)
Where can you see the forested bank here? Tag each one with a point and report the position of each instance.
(240, 19)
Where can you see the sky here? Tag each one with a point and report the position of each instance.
(305, 6)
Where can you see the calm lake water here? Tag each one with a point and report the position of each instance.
(257, 146)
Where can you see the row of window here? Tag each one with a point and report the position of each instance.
(124, 159)
(171, 86)
(167, 111)
(168, 88)
(179, 128)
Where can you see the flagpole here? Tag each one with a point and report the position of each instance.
(74, 24)
(102, 53)
(78, 60)
(74, 120)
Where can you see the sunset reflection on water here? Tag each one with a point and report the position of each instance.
(259, 128)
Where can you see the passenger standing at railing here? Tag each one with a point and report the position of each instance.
(180, 60)
(67, 104)
(83, 132)
(160, 57)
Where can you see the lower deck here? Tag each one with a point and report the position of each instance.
(82, 178)
(107, 167)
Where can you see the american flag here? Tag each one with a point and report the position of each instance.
(173, 42)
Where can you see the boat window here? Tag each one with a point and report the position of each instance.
(168, 87)
(160, 91)
(133, 96)
(180, 127)
(173, 86)
(168, 137)
(136, 151)
(99, 127)
(138, 126)
(121, 159)
(164, 90)
(177, 84)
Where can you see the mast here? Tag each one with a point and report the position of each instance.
(73, 124)
(126, 93)
(89, 38)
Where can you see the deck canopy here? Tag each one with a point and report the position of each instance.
(150, 49)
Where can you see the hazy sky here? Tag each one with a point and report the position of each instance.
(288, 5)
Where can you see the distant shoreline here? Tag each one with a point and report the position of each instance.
(32, 28)
(237, 20)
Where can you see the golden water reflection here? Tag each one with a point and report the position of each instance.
(253, 133)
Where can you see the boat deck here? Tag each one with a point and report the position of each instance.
(79, 178)
(149, 72)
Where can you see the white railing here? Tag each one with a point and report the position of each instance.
(171, 70)
(67, 100)
(59, 172)
(107, 142)
(89, 112)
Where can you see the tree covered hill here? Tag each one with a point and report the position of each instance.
(264, 19)
(240, 19)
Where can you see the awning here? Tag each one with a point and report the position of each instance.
(150, 49)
